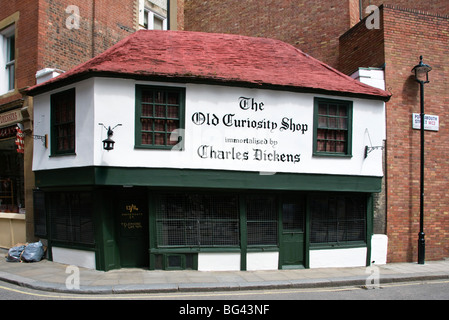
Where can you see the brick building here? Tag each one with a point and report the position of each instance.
(403, 36)
(42, 39)
(313, 27)
(336, 32)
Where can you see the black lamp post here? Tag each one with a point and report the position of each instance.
(421, 72)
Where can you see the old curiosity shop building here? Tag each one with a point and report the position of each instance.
(188, 150)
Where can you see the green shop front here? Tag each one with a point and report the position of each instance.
(203, 220)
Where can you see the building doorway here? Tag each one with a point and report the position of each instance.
(292, 233)
(132, 218)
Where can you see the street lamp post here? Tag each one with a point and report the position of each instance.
(421, 72)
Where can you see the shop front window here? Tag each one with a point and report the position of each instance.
(71, 217)
(197, 220)
(11, 172)
(338, 219)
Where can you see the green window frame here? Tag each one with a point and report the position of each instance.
(159, 117)
(332, 134)
(63, 129)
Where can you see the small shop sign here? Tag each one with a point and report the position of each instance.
(431, 122)
(10, 118)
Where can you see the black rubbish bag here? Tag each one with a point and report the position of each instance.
(33, 252)
(14, 254)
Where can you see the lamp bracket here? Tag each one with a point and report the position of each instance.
(110, 130)
(43, 138)
(368, 150)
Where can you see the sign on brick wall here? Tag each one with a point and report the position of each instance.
(431, 123)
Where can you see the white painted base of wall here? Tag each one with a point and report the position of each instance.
(262, 261)
(79, 258)
(379, 247)
(219, 261)
(338, 258)
(231, 261)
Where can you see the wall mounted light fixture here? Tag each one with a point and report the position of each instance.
(108, 143)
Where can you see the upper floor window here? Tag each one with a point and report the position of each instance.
(63, 122)
(332, 127)
(153, 21)
(159, 112)
(7, 59)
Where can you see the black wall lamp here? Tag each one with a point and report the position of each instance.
(108, 143)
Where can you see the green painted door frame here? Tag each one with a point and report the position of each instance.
(292, 216)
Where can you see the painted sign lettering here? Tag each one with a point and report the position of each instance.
(266, 127)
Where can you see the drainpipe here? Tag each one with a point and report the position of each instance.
(93, 29)
(168, 14)
(361, 9)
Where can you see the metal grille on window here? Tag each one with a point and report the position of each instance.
(195, 220)
(338, 219)
(71, 217)
(262, 220)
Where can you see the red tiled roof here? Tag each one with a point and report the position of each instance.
(215, 58)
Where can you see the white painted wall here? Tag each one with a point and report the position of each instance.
(374, 77)
(114, 101)
(79, 258)
(218, 261)
(84, 129)
(338, 258)
(262, 261)
(379, 246)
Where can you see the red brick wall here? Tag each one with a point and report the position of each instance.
(26, 41)
(180, 14)
(313, 27)
(436, 7)
(407, 36)
(360, 47)
(65, 48)
(44, 41)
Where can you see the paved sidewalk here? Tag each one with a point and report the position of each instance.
(51, 276)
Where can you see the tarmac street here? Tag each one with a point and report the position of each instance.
(55, 277)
